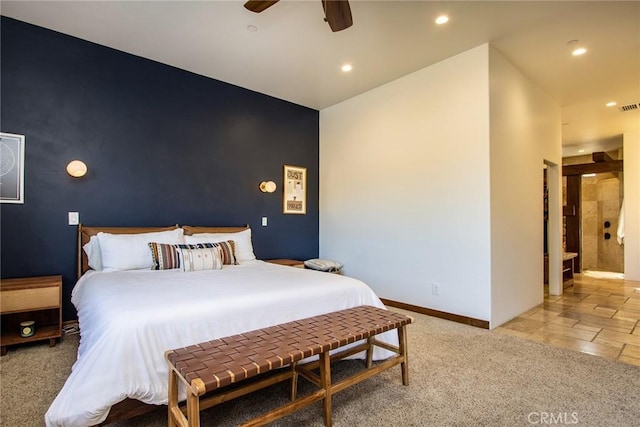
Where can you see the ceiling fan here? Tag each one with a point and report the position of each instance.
(337, 12)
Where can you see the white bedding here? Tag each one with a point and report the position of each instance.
(128, 319)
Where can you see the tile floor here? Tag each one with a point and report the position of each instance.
(595, 316)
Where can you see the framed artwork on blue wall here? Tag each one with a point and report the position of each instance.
(11, 168)
(294, 200)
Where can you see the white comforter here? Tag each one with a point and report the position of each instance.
(128, 320)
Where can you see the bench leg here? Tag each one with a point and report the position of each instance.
(175, 416)
(404, 366)
(193, 409)
(370, 352)
(173, 399)
(325, 383)
(294, 381)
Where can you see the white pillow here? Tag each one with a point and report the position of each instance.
(94, 257)
(242, 241)
(131, 251)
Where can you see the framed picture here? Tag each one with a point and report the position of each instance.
(11, 168)
(294, 200)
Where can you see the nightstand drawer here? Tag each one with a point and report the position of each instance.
(29, 299)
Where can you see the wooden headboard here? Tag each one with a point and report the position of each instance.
(190, 230)
(85, 233)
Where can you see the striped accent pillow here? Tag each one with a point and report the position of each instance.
(201, 259)
(227, 250)
(165, 256)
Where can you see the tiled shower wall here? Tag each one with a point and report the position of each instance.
(601, 200)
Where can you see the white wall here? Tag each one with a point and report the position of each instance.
(631, 146)
(404, 186)
(437, 177)
(525, 131)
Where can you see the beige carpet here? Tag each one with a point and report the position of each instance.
(459, 375)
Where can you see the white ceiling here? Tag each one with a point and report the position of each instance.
(293, 55)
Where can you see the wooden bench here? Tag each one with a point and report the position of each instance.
(212, 366)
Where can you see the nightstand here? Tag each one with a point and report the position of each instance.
(30, 298)
(288, 262)
(294, 263)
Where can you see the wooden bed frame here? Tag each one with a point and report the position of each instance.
(130, 408)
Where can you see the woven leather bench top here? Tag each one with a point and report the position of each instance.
(228, 360)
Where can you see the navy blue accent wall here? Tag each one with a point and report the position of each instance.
(163, 146)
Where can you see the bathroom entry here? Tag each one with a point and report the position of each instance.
(602, 197)
(593, 195)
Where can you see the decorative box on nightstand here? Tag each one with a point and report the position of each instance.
(37, 299)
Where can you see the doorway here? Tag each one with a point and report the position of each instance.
(593, 194)
(602, 196)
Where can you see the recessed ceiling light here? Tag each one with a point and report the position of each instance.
(442, 19)
(252, 28)
(579, 51)
(580, 151)
(575, 49)
(611, 104)
(347, 67)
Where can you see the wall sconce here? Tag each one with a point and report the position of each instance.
(77, 168)
(268, 186)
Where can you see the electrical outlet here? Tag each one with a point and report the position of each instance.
(435, 288)
(74, 218)
(264, 221)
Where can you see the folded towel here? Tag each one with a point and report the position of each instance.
(620, 233)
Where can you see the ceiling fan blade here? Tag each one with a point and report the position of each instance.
(338, 14)
(258, 6)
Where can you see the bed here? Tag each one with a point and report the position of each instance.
(129, 317)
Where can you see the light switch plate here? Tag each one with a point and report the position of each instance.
(264, 221)
(74, 218)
